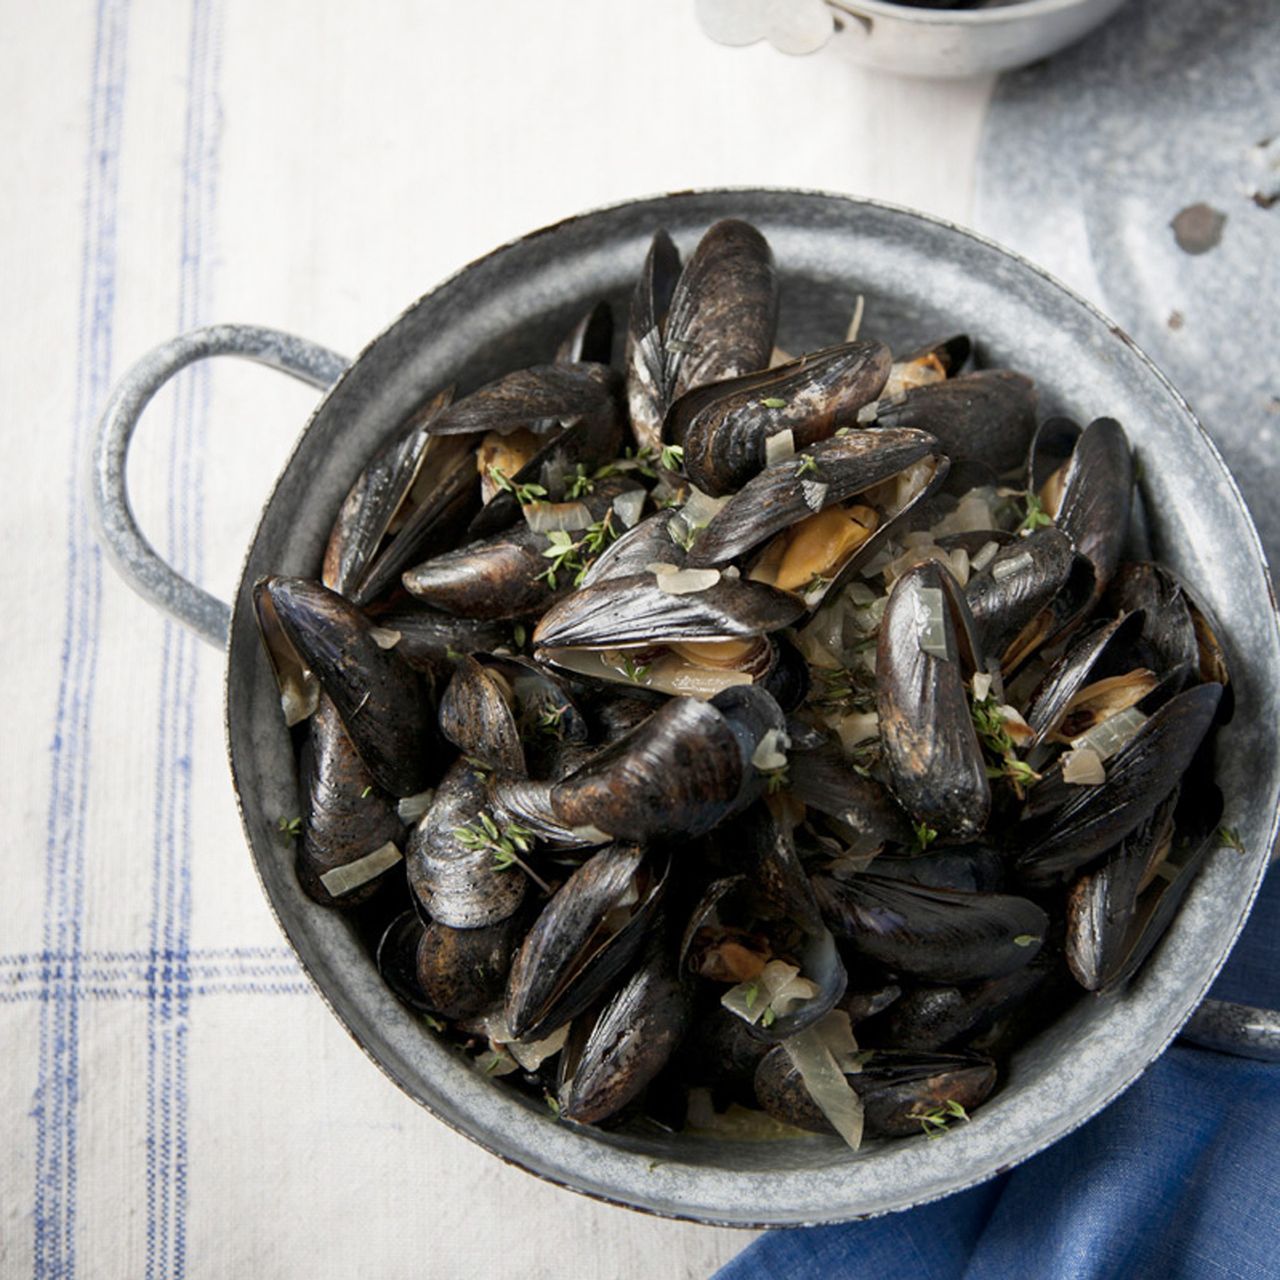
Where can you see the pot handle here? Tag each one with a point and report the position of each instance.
(1240, 1029)
(133, 556)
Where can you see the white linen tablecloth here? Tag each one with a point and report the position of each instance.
(176, 1100)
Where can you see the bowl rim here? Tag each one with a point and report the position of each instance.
(1191, 998)
(1002, 15)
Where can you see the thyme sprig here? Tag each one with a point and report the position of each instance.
(996, 740)
(937, 1120)
(570, 555)
(1035, 516)
(505, 844)
(524, 494)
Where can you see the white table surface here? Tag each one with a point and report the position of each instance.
(176, 1100)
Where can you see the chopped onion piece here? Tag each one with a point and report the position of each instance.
(974, 513)
(556, 517)
(814, 493)
(1016, 727)
(918, 538)
(730, 572)
(700, 508)
(1112, 734)
(1083, 767)
(836, 1031)
(826, 1084)
(986, 554)
(855, 728)
(770, 752)
(779, 447)
(931, 631)
(685, 582)
(981, 685)
(532, 1055)
(1012, 566)
(384, 637)
(352, 875)
(593, 834)
(299, 699)
(629, 505)
(868, 413)
(411, 808)
(778, 987)
(860, 593)
(855, 321)
(659, 567)
(959, 558)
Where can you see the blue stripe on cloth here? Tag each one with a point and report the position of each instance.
(57, 1086)
(171, 984)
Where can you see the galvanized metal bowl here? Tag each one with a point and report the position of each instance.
(921, 278)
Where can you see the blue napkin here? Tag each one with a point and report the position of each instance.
(1179, 1179)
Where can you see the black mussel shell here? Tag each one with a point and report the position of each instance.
(536, 398)
(897, 1088)
(477, 716)
(986, 417)
(724, 427)
(940, 935)
(463, 972)
(574, 952)
(591, 339)
(648, 543)
(631, 1039)
(429, 639)
(395, 959)
(456, 882)
(680, 772)
(503, 577)
(347, 816)
(648, 389)
(378, 696)
(784, 493)
(1139, 776)
(724, 309)
(935, 761)
(827, 783)
(971, 868)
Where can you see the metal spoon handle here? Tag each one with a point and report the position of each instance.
(133, 556)
(1239, 1029)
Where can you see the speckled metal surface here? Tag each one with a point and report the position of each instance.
(1088, 162)
(920, 277)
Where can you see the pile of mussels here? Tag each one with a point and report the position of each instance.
(746, 742)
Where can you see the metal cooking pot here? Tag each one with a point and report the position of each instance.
(921, 277)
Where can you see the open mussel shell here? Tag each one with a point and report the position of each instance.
(897, 1089)
(924, 366)
(636, 612)
(457, 882)
(724, 428)
(724, 309)
(374, 500)
(1104, 651)
(986, 417)
(680, 772)
(587, 444)
(631, 1039)
(939, 935)
(534, 399)
(1118, 912)
(924, 653)
(648, 389)
(347, 817)
(463, 972)
(583, 940)
(797, 488)
(1138, 777)
(504, 576)
(1168, 632)
(378, 696)
(1030, 593)
(1089, 497)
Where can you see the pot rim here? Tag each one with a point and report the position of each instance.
(1066, 1125)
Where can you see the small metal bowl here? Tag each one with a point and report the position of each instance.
(950, 44)
(921, 278)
